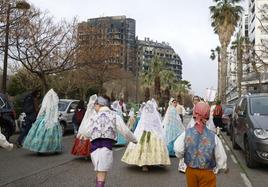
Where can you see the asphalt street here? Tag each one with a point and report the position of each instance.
(23, 168)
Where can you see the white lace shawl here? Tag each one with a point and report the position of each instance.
(150, 120)
(49, 109)
(83, 129)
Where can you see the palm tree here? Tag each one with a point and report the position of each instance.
(216, 53)
(225, 16)
(152, 75)
(168, 83)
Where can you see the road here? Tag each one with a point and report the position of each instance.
(23, 168)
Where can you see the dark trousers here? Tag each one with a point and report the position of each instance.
(29, 120)
(217, 121)
(181, 118)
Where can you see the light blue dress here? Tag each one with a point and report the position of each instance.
(173, 128)
(42, 139)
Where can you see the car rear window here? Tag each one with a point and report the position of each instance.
(259, 105)
(62, 106)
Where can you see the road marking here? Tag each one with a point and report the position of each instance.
(227, 148)
(246, 180)
(234, 159)
(118, 149)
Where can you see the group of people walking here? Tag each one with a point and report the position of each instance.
(152, 140)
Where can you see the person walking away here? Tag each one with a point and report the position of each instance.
(45, 135)
(30, 108)
(102, 132)
(151, 149)
(217, 116)
(79, 113)
(202, 151)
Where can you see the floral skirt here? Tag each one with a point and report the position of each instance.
(150, 150)
(42, 139)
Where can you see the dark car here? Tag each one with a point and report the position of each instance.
(7, 116)
(227, 117)
(250, 128)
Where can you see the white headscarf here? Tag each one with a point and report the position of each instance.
(49, 109)
(150, 120)
(90, 110)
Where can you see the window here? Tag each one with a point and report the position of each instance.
(259, 106)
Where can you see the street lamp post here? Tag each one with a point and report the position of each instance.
(19, 5)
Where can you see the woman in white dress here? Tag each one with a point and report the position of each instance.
(151, 148)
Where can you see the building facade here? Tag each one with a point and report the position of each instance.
(255, 74)
(253, 27)
(120, 30)
(148, 49)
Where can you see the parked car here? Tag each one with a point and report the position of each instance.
(250, 128)
(227, 117)
(7, 116)
(66, 112)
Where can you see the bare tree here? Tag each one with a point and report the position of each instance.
(42, 46)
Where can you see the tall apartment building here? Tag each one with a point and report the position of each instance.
(120, 30)
(232, 76)
(147, 49)
(258, 37)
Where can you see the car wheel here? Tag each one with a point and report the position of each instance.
(63, 127)
(234, 144)
(251, 163)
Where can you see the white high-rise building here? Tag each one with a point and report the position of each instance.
(258, 38)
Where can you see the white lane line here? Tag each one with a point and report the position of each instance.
(246, 180)
(227, 148)
(118, 149)
(234, 159)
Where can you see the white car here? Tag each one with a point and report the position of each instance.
(66, 112)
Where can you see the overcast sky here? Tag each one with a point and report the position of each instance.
(184, 24)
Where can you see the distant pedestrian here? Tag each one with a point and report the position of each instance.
(180, 109)
(217, 115)
(45, 136)
(79, 113)
(30, 108)
(202, 151)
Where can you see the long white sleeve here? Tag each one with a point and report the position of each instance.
(123, 129)
(220, 155)
(179, 146)
(4, 143)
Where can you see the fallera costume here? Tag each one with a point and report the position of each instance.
(116, 107)
(173, 127)
(45, 135)
(102, 132)
(151, 148)
(202, 151)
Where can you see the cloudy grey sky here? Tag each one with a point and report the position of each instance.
(185, 24)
